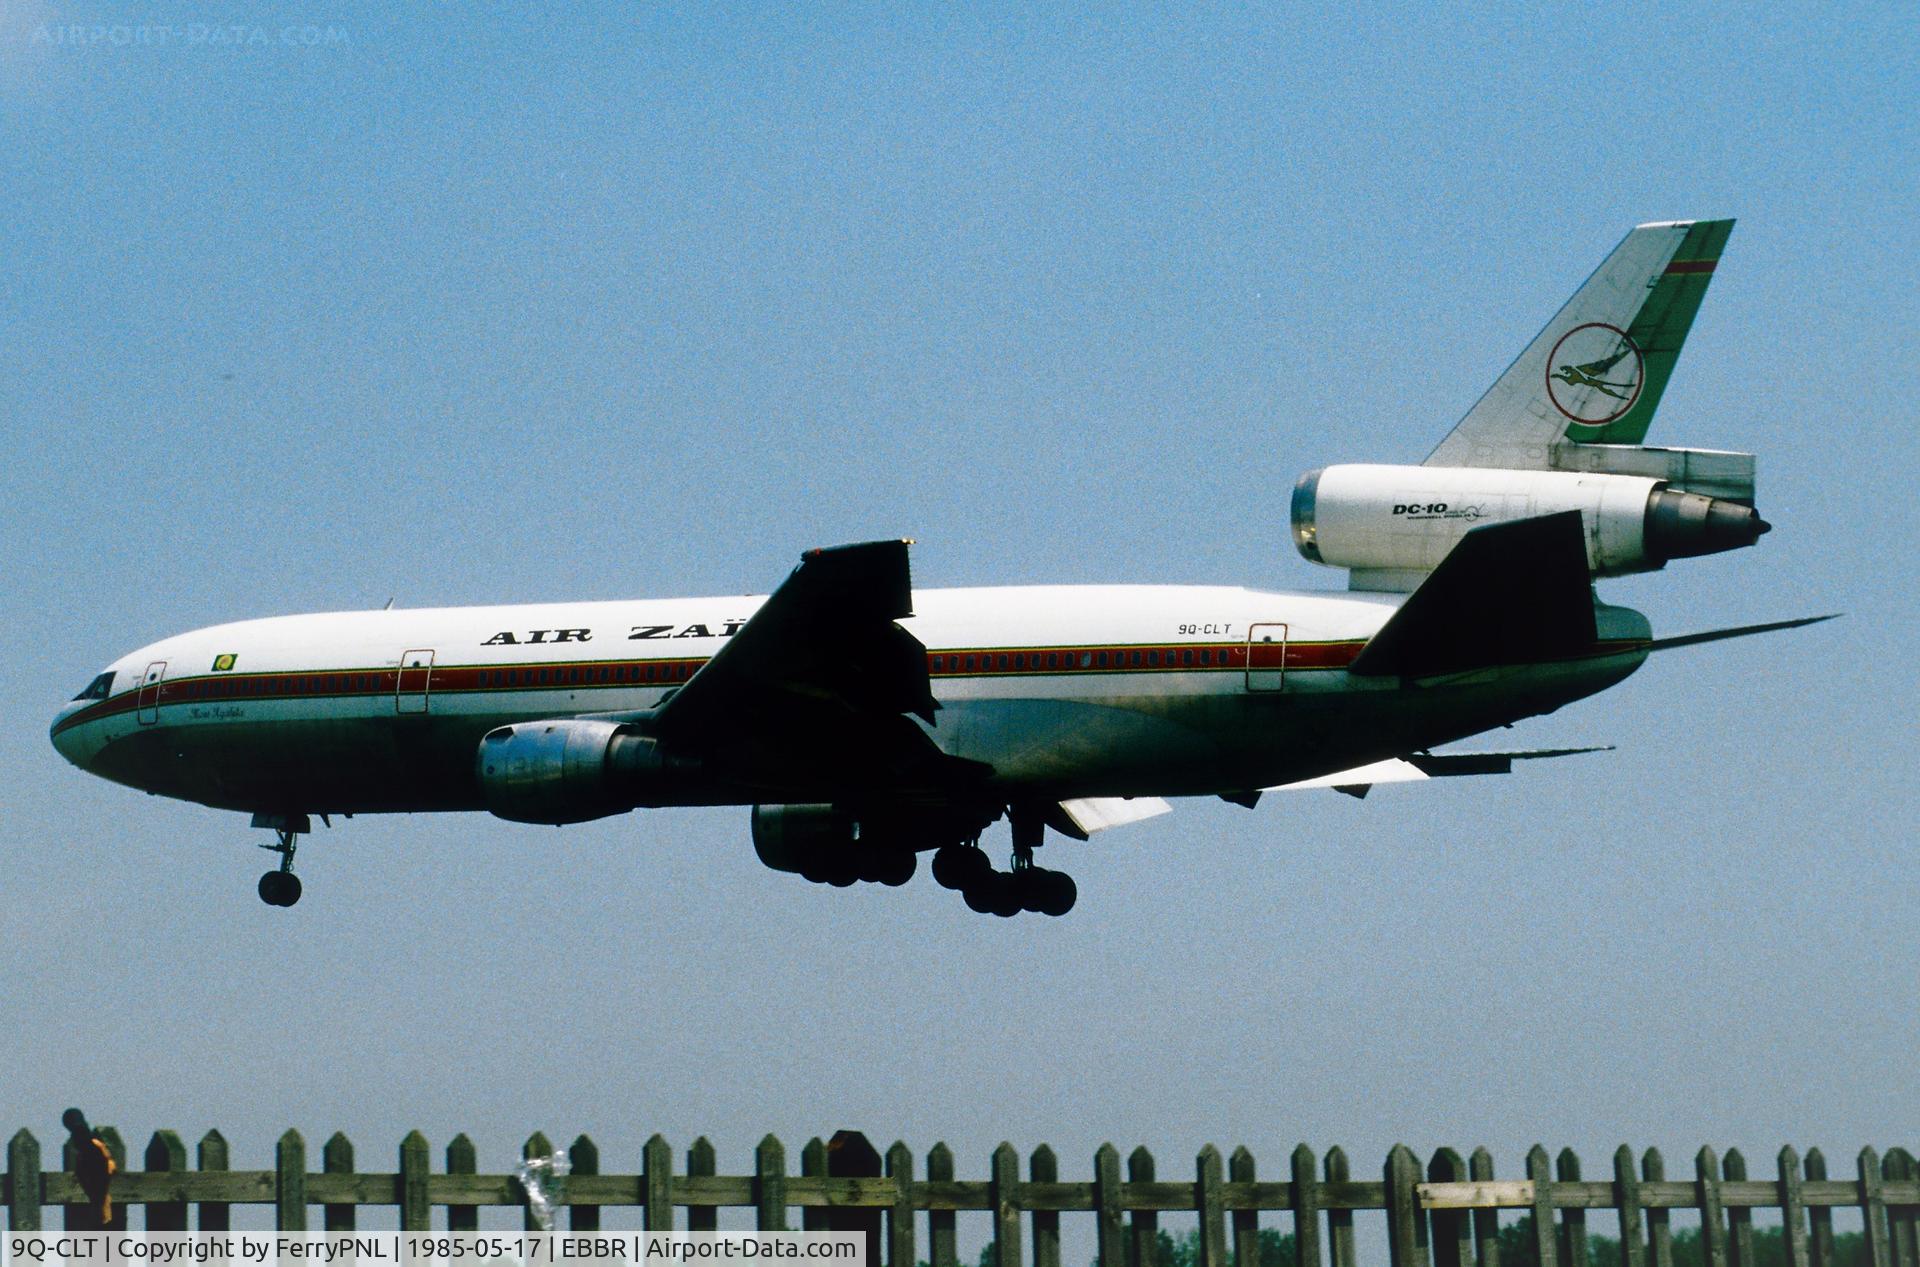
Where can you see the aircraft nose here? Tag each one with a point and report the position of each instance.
(67, 741)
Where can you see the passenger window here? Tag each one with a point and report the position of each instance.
(1102, 658)
(1053, 659)
(936, 664)
(1186, 657)
(970, 662)
(1086, 659)
(1136, 658)
(1001, 663)
(1206, 656)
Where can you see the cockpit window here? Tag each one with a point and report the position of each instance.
(99, 688)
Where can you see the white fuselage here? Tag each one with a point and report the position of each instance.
(1063, 691)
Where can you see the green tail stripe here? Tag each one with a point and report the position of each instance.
(1661, 326)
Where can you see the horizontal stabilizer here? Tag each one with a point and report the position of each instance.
(1081, 818)
(1742, 631)
(1418, 766)
(1509, 593)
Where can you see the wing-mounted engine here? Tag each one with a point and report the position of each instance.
(1392, 525)
(566, 771)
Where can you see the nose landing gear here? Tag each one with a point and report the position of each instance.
(282, 887)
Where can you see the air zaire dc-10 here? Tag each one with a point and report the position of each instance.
(866, 722)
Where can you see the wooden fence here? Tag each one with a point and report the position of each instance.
(1444, 1214)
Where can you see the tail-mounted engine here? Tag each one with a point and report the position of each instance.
(566, 771)
(1393, 524)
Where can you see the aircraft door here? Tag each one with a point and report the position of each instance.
(415, 680)
(1266, 657)
(146, 704)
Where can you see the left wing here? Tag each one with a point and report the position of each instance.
(814, 692)
(1416, 766)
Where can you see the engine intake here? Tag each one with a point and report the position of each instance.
(566, 771)
(1393, 524)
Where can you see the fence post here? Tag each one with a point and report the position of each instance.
(1406, 1221)
(1246, 1223)
(813, 1165)
(336, 1158)
(462, 1161)
(584, 1157)
(1486, 1223)
(1108, 1242)
(1042, 1167)
(416, 1163)
(656, 1162)
(1713, 1232)
(850, 1155)
(1452, 1240)
(537, 1145)
(1144, 1242)
(215, 1216)
(1573, 1219)
(166, 1155)
(1306, 1210)
(1653, 1169)
(1873, 1209)
(1898, 1167)
(1006, 1212)
(1626, 1198)
(1213, 1215)
(1739, 1218)
(1339, 1222)
(701, 1218)
(900, 1246)
(1545, 1244)
(770, 1185)
(940, 1240)
(23, 1177)
(1820, 1248)
(290, 1183)
(1793, 1210)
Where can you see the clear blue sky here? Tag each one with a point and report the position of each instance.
(469, 305)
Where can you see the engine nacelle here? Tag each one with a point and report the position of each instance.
(1393, 524)
(565, 771)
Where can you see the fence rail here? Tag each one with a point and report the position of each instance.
(1444, 1214)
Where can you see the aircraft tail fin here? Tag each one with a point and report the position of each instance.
(1596, 373)
(1509, 593)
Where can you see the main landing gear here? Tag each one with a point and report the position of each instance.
(282, 887)
(1007, 893)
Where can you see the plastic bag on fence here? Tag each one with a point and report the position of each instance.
(545, 1181)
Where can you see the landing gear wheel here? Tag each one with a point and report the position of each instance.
(1058, 893)
(279, 888)
(959, 866)
(892, 867)
(1003, 895)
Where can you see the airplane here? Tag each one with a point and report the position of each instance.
(866, 722)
